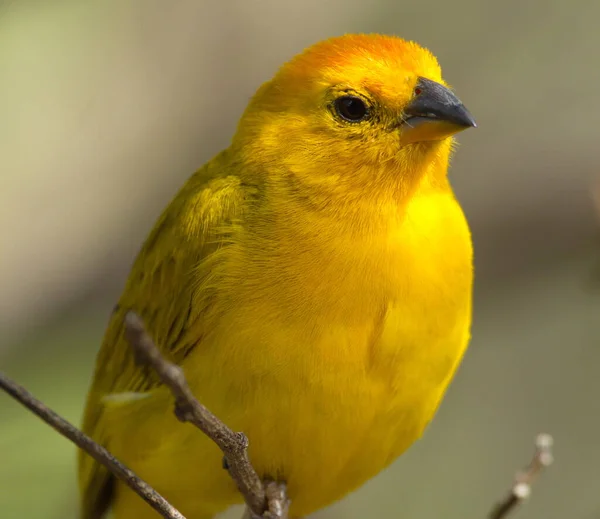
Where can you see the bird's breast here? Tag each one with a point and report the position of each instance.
(338, 362)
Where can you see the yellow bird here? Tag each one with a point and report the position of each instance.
(314, 281)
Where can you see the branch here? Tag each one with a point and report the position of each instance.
(266, 500)
(99, 453)
(269, 500)
(521, 489)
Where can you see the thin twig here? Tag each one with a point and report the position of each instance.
(99, 453)
(278, 504)
(521, 488)
(187, 408)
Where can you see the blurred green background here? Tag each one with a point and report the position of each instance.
(107, 106)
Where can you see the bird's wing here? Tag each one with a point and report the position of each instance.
(160, 289)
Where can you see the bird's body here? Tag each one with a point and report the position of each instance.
(318, 299)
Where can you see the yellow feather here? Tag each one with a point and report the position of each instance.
(314, 281)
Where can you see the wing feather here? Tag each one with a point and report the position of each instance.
(160, 288)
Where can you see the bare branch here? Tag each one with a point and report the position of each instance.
(278, 503)
(99, 453)
(266, 500)
(521, 489)
(270, 502)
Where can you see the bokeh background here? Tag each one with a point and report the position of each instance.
(107, 106)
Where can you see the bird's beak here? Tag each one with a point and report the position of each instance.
(433, 114)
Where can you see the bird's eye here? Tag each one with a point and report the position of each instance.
(352, 109)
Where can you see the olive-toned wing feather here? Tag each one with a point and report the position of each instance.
(160, 288)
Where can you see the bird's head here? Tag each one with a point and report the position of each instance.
(356, 113)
